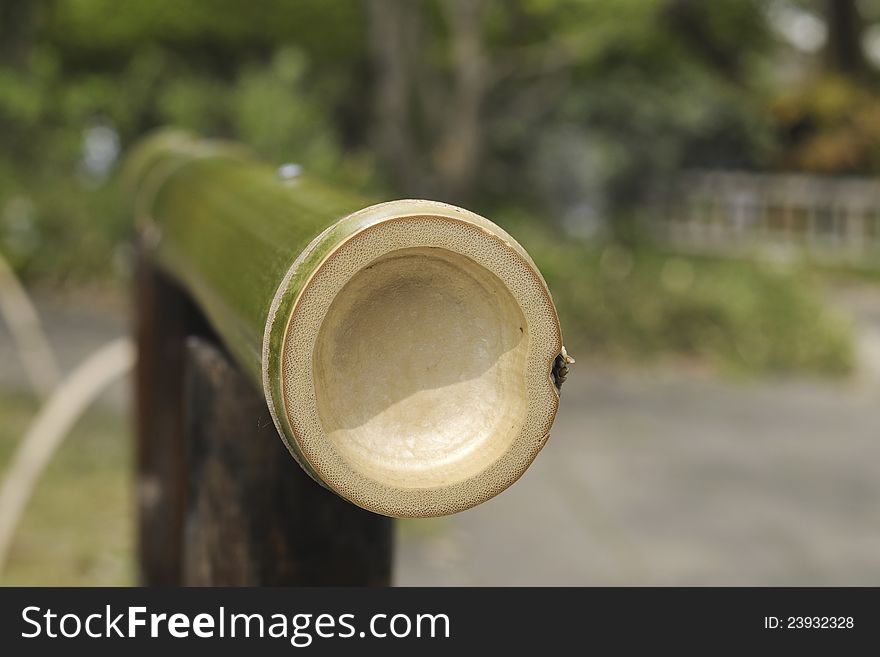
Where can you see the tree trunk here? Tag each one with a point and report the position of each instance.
(843, 51)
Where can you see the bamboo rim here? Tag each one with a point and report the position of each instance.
(456, 462)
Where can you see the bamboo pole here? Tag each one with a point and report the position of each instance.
(408, 351)
(24, 324)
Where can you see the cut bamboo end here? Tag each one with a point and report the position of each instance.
(415, 369)
(411, 355)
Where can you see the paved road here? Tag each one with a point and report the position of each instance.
(662, 477)
(650, 477)
(653, 478)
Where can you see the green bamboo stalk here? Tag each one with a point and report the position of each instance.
(263, 254)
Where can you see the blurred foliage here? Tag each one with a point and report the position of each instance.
(91, 76)
(658, 87)
(567, 109)
(635, 301)
(567, 105)
(832, 125)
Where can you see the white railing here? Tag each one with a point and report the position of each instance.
(732, 212)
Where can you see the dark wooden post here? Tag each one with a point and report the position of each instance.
(254, 517)
(164, 317)
(220, 501)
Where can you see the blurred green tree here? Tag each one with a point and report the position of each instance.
(570, 109)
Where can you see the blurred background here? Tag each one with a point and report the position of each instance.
(698, 182)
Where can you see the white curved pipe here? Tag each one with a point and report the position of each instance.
(34, 349)
(54, 421)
